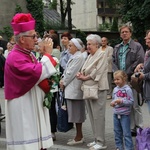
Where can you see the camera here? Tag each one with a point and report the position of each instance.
(137, 74)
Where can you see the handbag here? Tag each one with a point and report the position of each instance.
(62, 117)
(137, 84)
(143, 139)
(90, 92)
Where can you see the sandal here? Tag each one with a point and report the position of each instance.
(73, 142)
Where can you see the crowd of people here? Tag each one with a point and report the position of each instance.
(30, 61)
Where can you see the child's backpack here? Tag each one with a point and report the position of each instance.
(143, 139)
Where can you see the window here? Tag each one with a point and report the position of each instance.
(110, 20)
(102, 4)
(103, 20)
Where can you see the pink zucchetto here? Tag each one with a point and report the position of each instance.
(22, 22)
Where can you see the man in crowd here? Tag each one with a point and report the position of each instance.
(27, 121)
(109, 51)
(126, 56)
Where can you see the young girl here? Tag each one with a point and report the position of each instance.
(122, 102)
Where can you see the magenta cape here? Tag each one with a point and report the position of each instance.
(20, 73)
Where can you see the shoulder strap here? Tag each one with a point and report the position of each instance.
(60, 98)
(140, 99)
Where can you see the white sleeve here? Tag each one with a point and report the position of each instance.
(47, 68)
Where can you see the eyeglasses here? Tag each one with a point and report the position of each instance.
(33, 36)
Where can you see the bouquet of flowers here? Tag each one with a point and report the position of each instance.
(53, 82)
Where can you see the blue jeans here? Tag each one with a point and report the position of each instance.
(122, 132)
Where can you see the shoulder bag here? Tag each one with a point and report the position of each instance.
(62, 117)
(137, 84)
(90, 92)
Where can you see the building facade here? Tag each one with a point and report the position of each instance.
(84, 15)
(87, 15)
(92, 15)
(7, 11)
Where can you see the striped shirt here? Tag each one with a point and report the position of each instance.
(122, 55)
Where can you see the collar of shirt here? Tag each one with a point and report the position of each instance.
(122, 43)
(122, 55)
(65, 51)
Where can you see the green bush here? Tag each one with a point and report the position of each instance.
(81, 35)
(53, 4)
(105, 26)
(7, 31)
(114, 42)
(18, 9)
(35, 7)
(114, 26)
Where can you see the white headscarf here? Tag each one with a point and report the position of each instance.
(76, 43)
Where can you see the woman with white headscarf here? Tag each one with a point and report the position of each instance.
(72, 88)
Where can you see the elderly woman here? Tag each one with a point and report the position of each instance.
(73, 93)
(10, 46)
(94, 73)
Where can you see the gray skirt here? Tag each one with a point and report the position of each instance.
(76, 111)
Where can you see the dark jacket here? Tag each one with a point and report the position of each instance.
(134, 56)
(2, 64)
(146, 85)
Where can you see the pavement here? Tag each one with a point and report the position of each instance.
(62, 138)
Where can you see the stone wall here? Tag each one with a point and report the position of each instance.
(7, 10)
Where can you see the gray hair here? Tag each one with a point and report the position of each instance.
(1, 49)
(95, 38)
(16, 37)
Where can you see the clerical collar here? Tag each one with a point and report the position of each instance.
(22, 50)
(25, 51)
